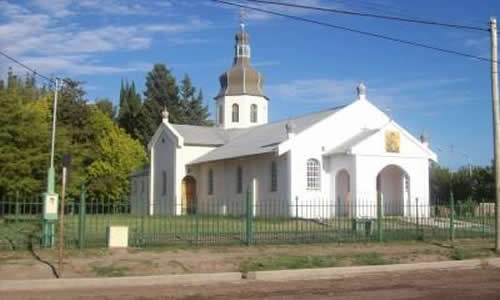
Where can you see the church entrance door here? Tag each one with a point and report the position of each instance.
(189, 195)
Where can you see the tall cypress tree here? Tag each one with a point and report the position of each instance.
(130, 106)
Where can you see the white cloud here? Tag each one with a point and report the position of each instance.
(64, 8)
(75, 65)
(42, 39)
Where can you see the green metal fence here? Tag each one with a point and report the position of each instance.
(241, 221)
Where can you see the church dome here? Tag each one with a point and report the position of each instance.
(241, 78)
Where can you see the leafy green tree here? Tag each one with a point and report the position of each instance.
(118, 155)
(107, 107)
(24, 125)
(440, 183)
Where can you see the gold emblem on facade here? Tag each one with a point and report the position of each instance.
(392, 141)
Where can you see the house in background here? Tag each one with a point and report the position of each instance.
(329, 163)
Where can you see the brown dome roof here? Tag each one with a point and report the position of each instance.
(241, 78)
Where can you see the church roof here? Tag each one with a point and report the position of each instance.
(206, 136)
(347, 145)
(262, 139)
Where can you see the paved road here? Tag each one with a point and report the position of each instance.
(442, 285)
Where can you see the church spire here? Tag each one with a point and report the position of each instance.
(242, 47)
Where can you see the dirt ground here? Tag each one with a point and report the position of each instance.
(442, 285)
(136, 262)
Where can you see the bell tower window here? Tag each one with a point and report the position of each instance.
(235, 113)
(253, 113)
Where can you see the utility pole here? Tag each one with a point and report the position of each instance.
(50, 198)
(496, 125)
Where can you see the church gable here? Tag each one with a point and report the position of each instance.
(391, 140)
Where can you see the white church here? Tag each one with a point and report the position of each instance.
(330, 163)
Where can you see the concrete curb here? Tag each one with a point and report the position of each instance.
(116, 282)
(343, 272)
(235, 277)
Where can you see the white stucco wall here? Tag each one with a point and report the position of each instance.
(163, 157)
(315, 142)
(139, 192)
(371, 158)
(225, 197)
(244, 102)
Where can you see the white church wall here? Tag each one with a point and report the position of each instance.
(185, 155)
(226, 198)
(369, 166)
(164, 170)
(139, 192)
(372, 157)
(244, 104)
(338, 163)
(315, 141)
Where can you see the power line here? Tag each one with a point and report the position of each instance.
(27, 68)
(356, 13)
(376, 35)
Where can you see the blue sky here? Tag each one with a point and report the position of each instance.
(307, 67)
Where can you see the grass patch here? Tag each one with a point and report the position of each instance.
(110, 271)
(282, 262)
(469, 253)
(371, 259)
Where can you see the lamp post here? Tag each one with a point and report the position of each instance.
(50, 198)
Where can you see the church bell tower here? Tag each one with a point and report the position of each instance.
(241, 102)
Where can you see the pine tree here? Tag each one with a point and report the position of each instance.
(161, 91)
(194, 111)
(130, 106)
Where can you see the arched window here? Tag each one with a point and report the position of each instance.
(239, 180)
(221, 114)
(253, 113)
(236, 113)
(210, 182)
(274, 177)
(313, 174)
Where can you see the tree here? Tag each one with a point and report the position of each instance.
(161, 91)
(24, 132)
(118, 155)
(439, 183)
(130, 106)
(194, 111)
(106, 106)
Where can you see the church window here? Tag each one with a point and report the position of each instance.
(253, 113)
(164, 182)
(236, 113)
(313, 174)
(239, 180)
(274, 177)
(210, 182)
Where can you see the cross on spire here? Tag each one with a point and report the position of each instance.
(242, 18)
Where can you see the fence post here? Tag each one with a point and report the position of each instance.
(419, 237)
(82, 216)
(452, 216)
(297, 219)
(380, 215)
(249, 215)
